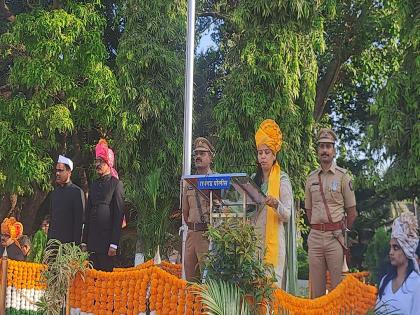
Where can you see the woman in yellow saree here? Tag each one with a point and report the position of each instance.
(275, 222)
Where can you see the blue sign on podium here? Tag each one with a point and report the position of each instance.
(213, 182)
(230, 189)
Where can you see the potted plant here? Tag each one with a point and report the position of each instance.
(64, 262)
(236, 259)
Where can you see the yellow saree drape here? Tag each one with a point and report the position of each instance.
(273, 221)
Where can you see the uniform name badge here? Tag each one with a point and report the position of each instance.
(334, 185)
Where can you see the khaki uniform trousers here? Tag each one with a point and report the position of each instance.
(196, 247)
(325, 253)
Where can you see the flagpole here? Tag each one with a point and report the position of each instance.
(188, 108)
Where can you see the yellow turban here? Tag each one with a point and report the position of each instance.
(269, 134)
(12, 227)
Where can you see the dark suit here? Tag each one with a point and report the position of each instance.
(13, 252)
(66, 213)
(104, 215)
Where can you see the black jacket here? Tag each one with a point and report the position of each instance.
(67, 205)
(13, 252)
(104, 214)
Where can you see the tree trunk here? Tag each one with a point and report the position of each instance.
(56, 4)
(5, 12)
(30, 208)
(5, 205)
(325, 86)
(78, 160)
(25, 209)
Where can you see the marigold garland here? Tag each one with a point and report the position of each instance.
(350, 295)
(174, 269)
(132, 290)
(146, 265)
(362, 276)
(24, 287)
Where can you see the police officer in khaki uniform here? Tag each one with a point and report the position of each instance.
(195, 209)
(330, 205)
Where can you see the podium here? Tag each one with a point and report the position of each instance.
(230, 195)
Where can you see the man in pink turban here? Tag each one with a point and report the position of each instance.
(104, 154)
(105, 211)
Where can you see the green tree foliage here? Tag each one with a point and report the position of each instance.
(396, 130)
(153, 225)
(206, 71)
(360, 38)
(150, 62)
(363, 53)
(378, 250)
(374, 42)
(270, 71)
(303, 264)
(59, 96)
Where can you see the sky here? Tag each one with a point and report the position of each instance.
(206, 42)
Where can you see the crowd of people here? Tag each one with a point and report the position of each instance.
(330, 206)
(94, 225)
(19, 246)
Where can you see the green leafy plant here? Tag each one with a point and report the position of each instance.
(223, 298)
(377, 253)
(63, 262)
(303, 264)
(151, 80)
(39, 243)
(153, 217)
(236, 257)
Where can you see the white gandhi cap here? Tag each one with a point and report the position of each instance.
(64, 160)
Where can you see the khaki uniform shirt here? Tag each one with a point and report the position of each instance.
(189, 201)
(338, 191)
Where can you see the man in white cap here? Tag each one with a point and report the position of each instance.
(67, 204)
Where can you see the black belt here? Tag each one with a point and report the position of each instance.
(197, 226)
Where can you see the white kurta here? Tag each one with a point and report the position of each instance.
(405, 301)
(284, 211)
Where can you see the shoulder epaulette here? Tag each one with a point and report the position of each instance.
(314, 172)
(341, 170)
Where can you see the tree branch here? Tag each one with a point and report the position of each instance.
(78, 159)
(56, 4)
(325, 85)
(5, 91)
(5, 12)
(213, 15)
(345, 47)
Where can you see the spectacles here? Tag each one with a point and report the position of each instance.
(58, 170)
(99, 162)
